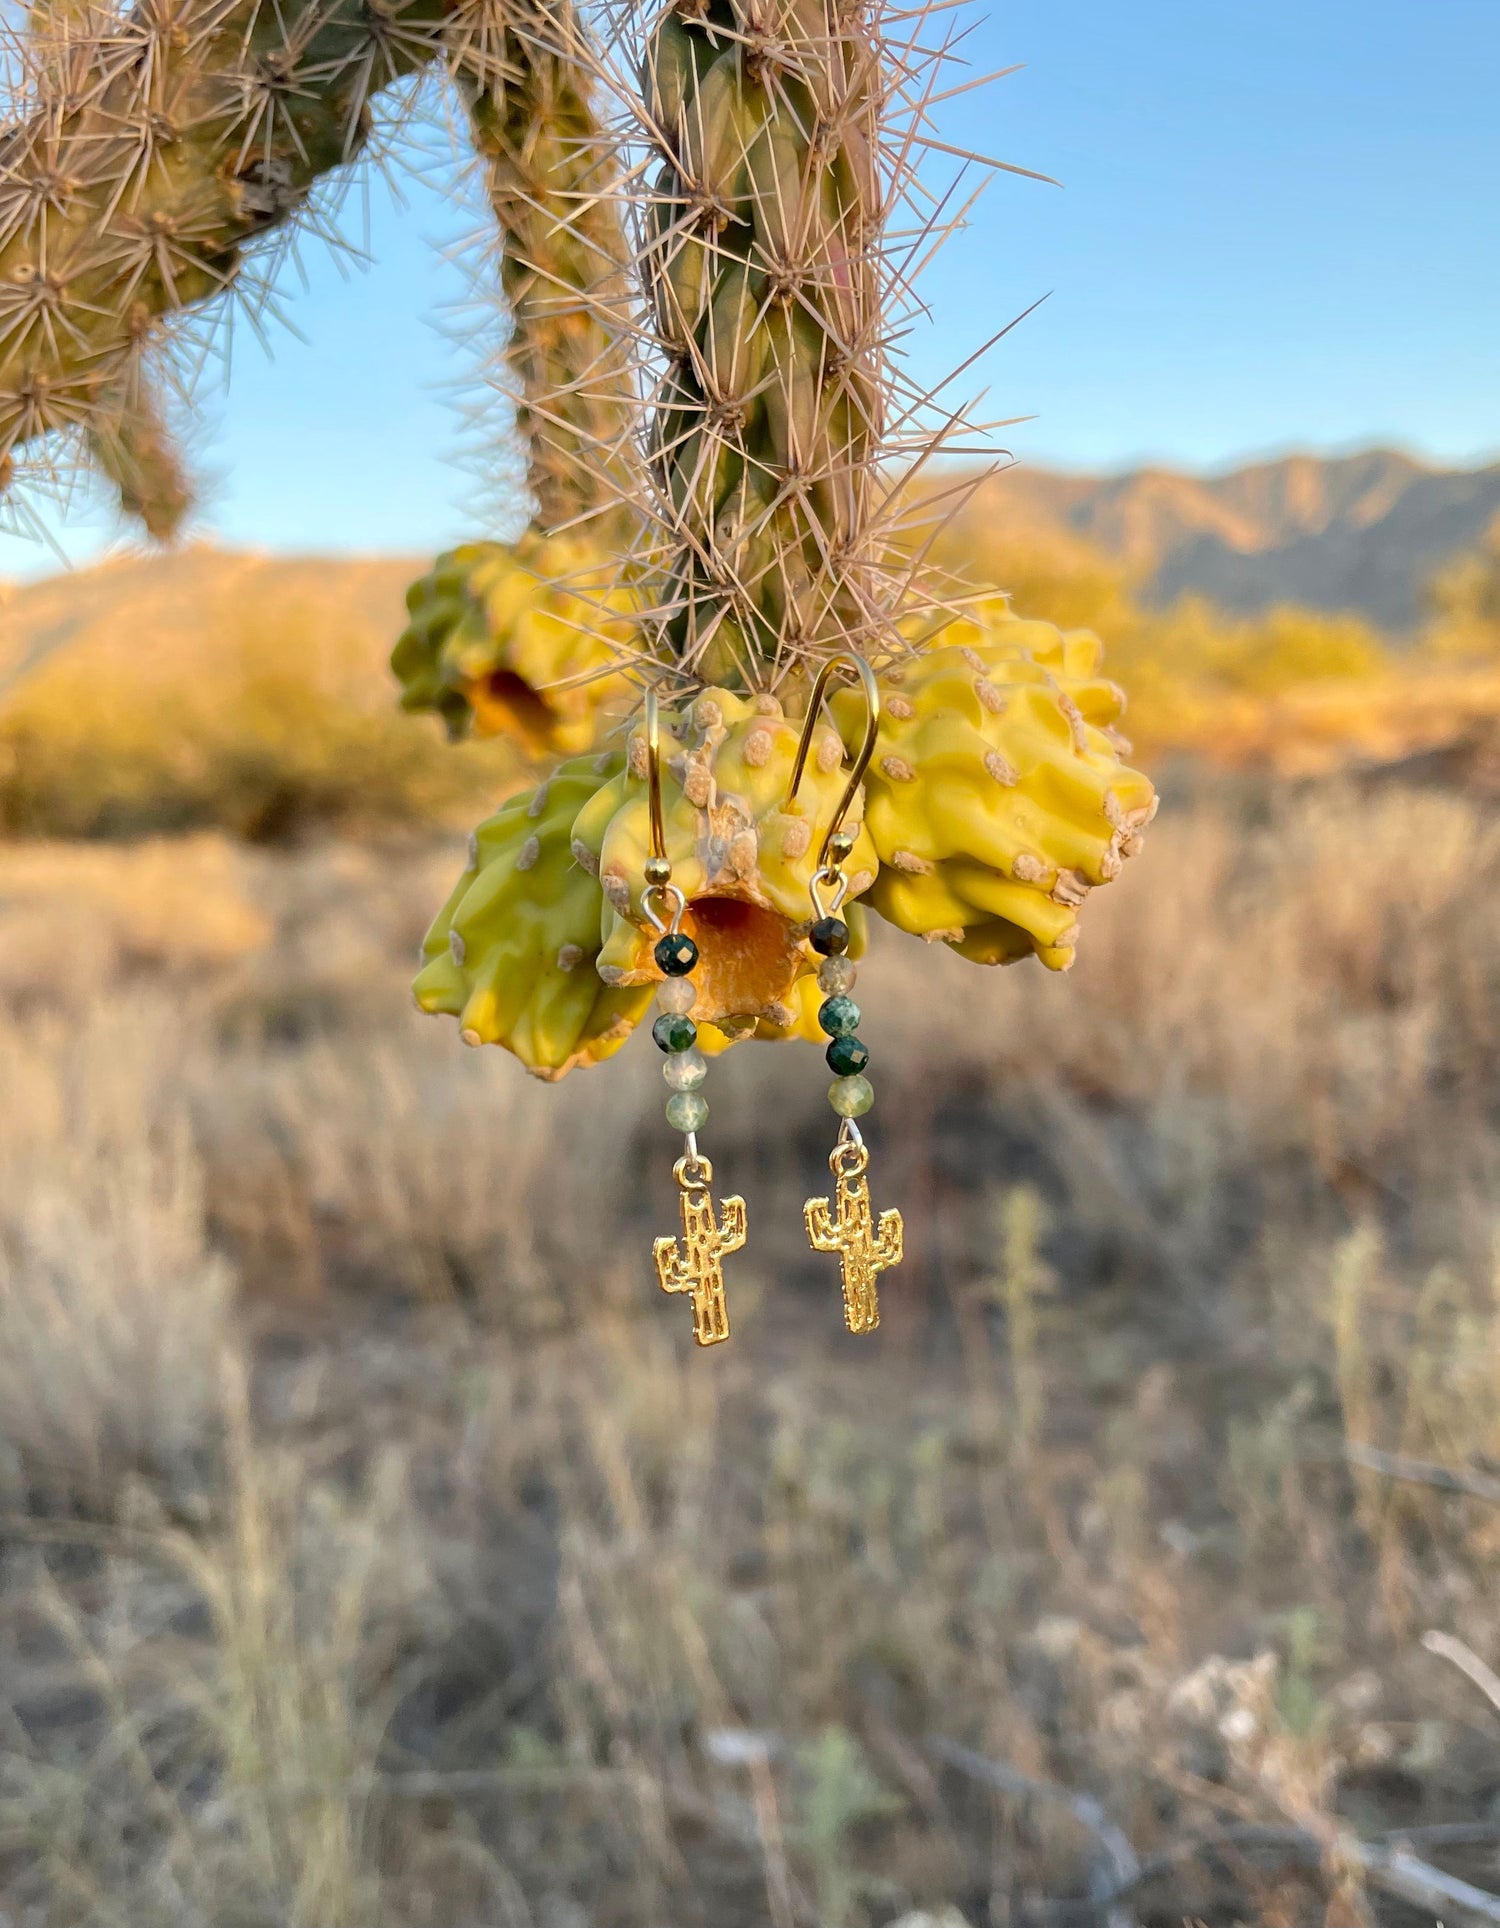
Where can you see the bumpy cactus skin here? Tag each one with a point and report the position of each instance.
(522, 640)
(512, 953)
(743, 860)
(758, 263)
(997, 797)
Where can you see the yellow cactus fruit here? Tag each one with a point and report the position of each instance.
(743, 859)
(512, 953)
(522, 640)
(997, 796)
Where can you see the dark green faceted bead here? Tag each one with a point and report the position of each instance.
(675, 954)
(846, 1056)
(829, 937)
(839, 1016)
(674, 1032)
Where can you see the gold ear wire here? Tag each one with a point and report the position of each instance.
(653, 776)
(852, 665)
(660, 890)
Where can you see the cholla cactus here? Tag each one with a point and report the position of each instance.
(737, 424)
(552, 179)
(998, 796)
(763, 265)
(512, 954)
(742, 853)
(516, 953)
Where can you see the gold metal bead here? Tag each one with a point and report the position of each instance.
(658, 871)
(840, 845)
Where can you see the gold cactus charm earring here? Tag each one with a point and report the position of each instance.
(694, 1262)
(845, 1223)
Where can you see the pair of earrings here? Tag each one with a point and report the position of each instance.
(845, 1222)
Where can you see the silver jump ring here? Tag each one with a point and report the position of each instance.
(838, 881)
(673, 893)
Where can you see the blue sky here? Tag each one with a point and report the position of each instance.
(1276, 230)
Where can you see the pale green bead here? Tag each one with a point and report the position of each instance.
(687, 1111)
(836, 975)
(676, 996)
(685, 1070)
(851, 1097)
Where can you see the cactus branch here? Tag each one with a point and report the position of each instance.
(143, 157)
(549, 174)
(132, 446)
(776, 159)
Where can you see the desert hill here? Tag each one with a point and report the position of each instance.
(153, 609)
(1360, 532)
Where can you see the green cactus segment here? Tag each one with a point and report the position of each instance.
(520, 640)
(551, 182)
(512, 953)
(759, 260)
(132, 447)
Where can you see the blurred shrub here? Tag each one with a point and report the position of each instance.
(252, 707)
(1195, 643)
(1047, 573)
(1182, 665)
(1463, 603)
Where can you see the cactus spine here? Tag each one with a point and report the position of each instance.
(761, 268)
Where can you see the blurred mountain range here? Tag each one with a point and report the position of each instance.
(1359, 532)
(1362, 533)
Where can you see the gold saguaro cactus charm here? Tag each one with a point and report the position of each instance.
(846, 1224)
(695, 1262)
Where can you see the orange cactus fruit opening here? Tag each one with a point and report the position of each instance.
(742, 854)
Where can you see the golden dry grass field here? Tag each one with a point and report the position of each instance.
(376, 1551)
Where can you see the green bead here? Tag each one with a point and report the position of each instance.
(829, 937)
(687, 1111)
(676, 954)
(851, 1097)
(673, 1032)
(837, 974)
(839, 1016)
(847, 1055)
(685, 1070)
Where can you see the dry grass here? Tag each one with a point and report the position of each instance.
(431, 1577)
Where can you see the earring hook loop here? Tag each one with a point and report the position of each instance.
(855, 666)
